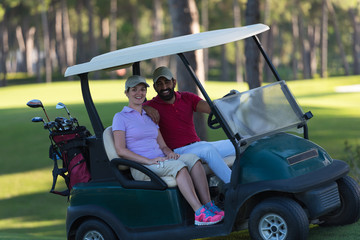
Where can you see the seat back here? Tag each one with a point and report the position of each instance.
(109, 145)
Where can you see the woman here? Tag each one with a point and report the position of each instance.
(138, 138)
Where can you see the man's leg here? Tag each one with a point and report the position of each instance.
(224, 147)
(211, 156)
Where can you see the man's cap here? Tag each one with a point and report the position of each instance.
(162, 72)
(135, 80)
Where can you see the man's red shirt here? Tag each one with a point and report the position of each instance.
(176, 120)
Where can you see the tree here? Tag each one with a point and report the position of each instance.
(185, 20)
(4, 47)
(355, 20)
(238, 52)
(253, 70)
(46, 37)
(338, 36)
(324, 41)
(158, 31)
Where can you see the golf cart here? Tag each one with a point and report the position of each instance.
(281, 182)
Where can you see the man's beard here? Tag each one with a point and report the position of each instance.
(166, 97)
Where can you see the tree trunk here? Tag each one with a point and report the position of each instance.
(4, 46)
(158, 31)
(135, 20)
(185, 20)
(60, 45)
(252, 53)
(304, 45)
(356, 39)
(69, 42)
(205, 25)
(80, 53)
(92, 39)
(113, 29)
(314, 40)
(238, 53)
(338, 36)
(21, 66)
(224, 64)
(46, 37)
(295, 37)
(324, 41)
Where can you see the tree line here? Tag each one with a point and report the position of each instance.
(307, 39)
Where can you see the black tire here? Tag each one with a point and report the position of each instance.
(94, 230)
(349, 211)
(278, 218)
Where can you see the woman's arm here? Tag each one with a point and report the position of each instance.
(124, 152)
(165, 149)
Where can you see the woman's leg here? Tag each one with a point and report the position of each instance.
(187, 189)
(198, 176)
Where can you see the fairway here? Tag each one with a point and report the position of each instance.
(28, 211)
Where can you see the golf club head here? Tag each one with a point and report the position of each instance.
(37, 119)
(35, 103)
(60, 105)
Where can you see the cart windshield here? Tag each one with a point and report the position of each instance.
(261, 111)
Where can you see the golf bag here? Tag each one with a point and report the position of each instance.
(70, 147)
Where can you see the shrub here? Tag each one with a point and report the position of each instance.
(353, 159)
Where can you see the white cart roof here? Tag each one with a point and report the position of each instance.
(125, 57)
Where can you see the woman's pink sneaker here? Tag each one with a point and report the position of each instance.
(203, 216)
(215, 209)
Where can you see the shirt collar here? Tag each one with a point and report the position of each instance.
(128, 109)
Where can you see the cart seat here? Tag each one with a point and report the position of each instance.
(109, 145)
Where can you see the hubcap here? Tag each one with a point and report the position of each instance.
(273, 227)
(93, 235)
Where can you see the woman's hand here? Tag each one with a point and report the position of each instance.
(156, 160)
(172, 155)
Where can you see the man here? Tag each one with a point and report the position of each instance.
(175, 118)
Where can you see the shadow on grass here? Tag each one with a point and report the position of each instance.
(40, 214)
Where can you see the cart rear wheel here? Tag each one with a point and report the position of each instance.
(280, 219)
(94, 230)
(349, 211)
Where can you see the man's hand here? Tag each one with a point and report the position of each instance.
(172, 155)
(152, 113)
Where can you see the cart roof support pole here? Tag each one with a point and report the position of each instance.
(267, 59)
(90, 107)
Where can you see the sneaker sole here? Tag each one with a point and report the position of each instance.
(197, 223)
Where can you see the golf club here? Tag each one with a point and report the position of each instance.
(35, 103)
(47, 125)
(61, 105)
(38, 119)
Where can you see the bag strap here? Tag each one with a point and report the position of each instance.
(58, 171)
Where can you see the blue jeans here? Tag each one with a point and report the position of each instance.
(212, 153)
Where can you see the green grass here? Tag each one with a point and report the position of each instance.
(28, 211)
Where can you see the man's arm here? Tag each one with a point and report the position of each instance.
(203, 107)
(152, 113)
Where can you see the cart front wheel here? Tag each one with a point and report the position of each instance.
(349, 211)
(280, 219)
(94, 230)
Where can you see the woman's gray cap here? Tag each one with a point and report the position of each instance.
(162, 72)
(135, 80)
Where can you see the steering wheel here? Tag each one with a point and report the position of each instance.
(212, 121)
